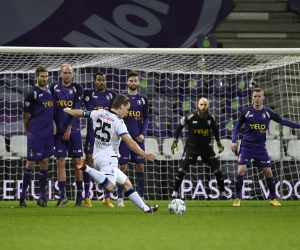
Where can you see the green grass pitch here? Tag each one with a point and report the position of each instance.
(205, 225)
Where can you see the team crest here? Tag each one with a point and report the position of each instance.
(70, 91)
(139, 102)
(208, 122)
(27, 104)
(107, 97)
(264, 115)
(87, 98)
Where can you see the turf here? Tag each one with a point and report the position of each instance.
(205, 225)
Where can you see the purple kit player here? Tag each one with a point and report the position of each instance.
(94, 99)
(253, 145)
(39, 128)
(137, 121)
(68, 138)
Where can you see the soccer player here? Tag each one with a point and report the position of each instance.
(253, 145)
(68, 138)
(137, 122)
(109, 127)
(200, 123)
(40, 129)
(97, 98)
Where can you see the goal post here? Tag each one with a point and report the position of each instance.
(173, 80)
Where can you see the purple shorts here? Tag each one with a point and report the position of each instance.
(73, 146)
(128, 155)
(261, 158)
(89, 144)
(40, 147)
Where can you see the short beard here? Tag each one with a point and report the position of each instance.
(133, 88)
(203, 114)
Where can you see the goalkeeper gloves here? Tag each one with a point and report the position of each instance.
(174, 146)
(220, 146)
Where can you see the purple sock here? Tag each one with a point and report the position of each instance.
(26, 180)
(62, 190)
(239, 181)
(43, 183)
(120, 191)
(106, 194)
(271, 187)
(87, 182)
(79, 190)
(140, 179)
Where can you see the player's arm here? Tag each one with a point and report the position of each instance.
(25, 117)
(285, 122)
(28, 100)
(183, 122)
(142, 134)
(215, 130)
(236, 131)
(78, 113)
(135, 147)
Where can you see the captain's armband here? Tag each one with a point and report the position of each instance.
(86, 114)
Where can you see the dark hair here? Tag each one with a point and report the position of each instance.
(98, 74)
(119, 100)
(40, 69)
(132, 73)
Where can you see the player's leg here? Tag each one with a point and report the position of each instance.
(211, 158)
(48, 151)
(88, 149)
(185, 163)
(132, 195)
(124, 151)
(75, 152)
(140, 172)
(61, 153)
(27, 175)
(98, 176)
(44, 165)
(266, 168)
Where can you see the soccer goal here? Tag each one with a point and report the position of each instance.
(173, 80)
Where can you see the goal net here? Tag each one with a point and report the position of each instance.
(173, 80)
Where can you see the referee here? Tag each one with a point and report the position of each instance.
(200, 123)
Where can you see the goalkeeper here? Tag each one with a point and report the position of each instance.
(200, 123)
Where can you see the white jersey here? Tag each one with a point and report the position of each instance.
(108, 127)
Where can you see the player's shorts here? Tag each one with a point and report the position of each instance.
(190, 157)
(260, 157)
(40, 147)
(109, 166)
(89, 144)
(128, 155)
(71, 148)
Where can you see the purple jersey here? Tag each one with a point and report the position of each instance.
(138, 116)
(256, 126)
(39, 104)
(66, 97)
(95, 100)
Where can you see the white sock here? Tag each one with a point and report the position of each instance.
(97, 176)
(137, 200)
(175, 194)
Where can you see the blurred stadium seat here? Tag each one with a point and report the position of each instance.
(158, 126)
(166, 150)
(218, 85)
(162, 105)
(186, 104)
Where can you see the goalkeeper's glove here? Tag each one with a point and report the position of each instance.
(220, 146)
(174, 146)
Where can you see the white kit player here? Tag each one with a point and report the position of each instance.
(109, 128)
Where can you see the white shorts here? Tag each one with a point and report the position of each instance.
(109, 167)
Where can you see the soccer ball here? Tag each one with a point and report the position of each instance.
(177, 206)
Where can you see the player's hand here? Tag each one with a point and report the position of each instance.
(140, 138)
(234, 147)
(220, 147)
(174, 146)
(151, 157)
